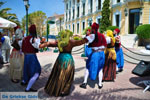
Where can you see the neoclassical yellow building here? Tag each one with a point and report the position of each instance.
(126, 14)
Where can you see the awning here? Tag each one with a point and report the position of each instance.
(6, 23)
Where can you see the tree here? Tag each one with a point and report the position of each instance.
(38, 18)
(105, 22)
(9, 16)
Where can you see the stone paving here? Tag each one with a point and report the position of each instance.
(124, 88)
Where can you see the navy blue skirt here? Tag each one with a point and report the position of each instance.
(31, 66)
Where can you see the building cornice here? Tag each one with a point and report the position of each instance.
(118, 4)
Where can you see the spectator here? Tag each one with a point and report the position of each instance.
(6, 47)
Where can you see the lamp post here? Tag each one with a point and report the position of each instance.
(26, 3)
(47, 33)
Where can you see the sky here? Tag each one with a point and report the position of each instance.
(47, 6)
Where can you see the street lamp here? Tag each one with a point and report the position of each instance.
(26, 3)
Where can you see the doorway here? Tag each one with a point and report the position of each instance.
(134, 18)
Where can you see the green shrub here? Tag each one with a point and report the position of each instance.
(143, 31)
(112, 28)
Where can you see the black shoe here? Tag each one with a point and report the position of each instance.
(116, 72)
(120, 70)
(15, 81)
(63, 94)
(83, 85)
(23, 84)
(100, 86)
(31, 90)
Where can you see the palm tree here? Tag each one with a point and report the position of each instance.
(9, 16)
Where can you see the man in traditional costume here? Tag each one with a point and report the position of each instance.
(96, 60)
(119, 51)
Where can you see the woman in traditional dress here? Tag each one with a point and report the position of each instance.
(62, 75)
(109, 70)
(32, 68)
(16, 57)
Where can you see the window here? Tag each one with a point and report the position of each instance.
(91, 5)
(73, 14)
(70, 4)
(66, 16)
(77, 27)
(73, 28)
(69, 15)
(89, 22)
(83, 9)
(73, 2)
(69, 27)
(83, 25)
(67, 6)
(99, 4)
(117, 20)
(78, 11)
(98, 20)
(118, 1)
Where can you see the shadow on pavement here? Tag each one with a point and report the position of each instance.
(47, 67)
(135, 80)
(92, 95)
(90, 83)
(79, 69)
(43, 95)
(5, 84)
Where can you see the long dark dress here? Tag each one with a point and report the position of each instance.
(109, 69)
(62, 74)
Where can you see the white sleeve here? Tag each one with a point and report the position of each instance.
(36, 43)
(102, 47)
(90, 38)
(20, 43)
(108, 40)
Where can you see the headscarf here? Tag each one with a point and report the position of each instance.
(63, 38)
(109, 33)
(117, 30)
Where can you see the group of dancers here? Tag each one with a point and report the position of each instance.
(101, 62)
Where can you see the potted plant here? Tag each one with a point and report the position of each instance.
(143, 33)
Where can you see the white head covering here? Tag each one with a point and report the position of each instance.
(18, 34)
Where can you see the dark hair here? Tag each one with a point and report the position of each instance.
(33, 32)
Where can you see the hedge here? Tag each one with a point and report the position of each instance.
(143, 31)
